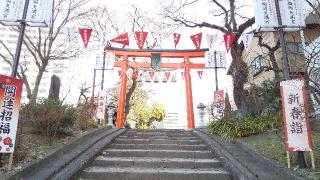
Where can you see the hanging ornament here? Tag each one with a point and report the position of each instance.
(174, 77)
(151, 73)
(228, 40)
(85, 35)
(176, 39)
(200, 74)
(121, 39)
(182, 75)
(196, 39)
(141, 38)
(167, 75)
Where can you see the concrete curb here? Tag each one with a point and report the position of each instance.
(244, 162)
(229, 162)
(61, 159)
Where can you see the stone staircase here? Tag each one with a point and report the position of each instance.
(156, 155)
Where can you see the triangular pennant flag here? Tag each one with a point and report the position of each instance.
(141, 38)
(167, 75)
(85, 35)
(196, 39)
(151, 73)
(200, 74)
(182, 75)
(103, 37)
(121, 39)
(70, 33)
(176, 38)
(228, 40)
(246, 39)
(211, 38)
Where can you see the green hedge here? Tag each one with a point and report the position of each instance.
(232, 128)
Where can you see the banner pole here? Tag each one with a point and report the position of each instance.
(216, 69)
(286, 68)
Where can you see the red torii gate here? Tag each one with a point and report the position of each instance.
(186, 65)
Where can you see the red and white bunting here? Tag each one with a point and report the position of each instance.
(141, 38)
(85, 35)
(167, 75)
(200, 73)
(196, 39)
(176, 38)
(121, 39)
(228, 40)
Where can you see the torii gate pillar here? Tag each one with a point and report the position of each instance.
(189, 98)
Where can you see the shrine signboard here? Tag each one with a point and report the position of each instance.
(295, 116)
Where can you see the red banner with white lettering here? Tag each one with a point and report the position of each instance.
(85, 35)
(121, 39)
(200, 74)
(141, 38)
(229, 40)
(196, 39)
(176, 38)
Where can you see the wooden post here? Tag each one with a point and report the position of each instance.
(122, 95)
(10, 161)
(288, 159)
(190, 113)
(312, 161)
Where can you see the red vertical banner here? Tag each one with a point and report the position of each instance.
(85, 35)
(141, 38)
(121, 39)
(229, 40)
(101, 107)
(196, 39)
(200, 73)
(295, 115)
(176, 39)
(219, 96)
(10, 97)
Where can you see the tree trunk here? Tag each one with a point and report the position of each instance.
(34, 95)
(239, 73)
(129, 95)
(275, 68)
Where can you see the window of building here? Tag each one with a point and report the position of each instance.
(256, 65)
(295, 47)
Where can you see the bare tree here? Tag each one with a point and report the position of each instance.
(230, 12)
(43, 45)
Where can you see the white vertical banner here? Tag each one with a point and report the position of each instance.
(291, 13)
(109, 60)
(210, 57)
(101, 107)
(40, 12)
(295, 116)
(265, 14)
(11, 10)
(103, 37)
(221, 59)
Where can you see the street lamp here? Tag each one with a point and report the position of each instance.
(111, 107)
(201, 113)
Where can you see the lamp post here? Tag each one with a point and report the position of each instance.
(111, 107)
(201, 113)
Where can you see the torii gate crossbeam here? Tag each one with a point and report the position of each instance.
(167, 53)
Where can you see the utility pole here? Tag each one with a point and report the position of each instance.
(286, 69)
(216, 69)
(103, 68)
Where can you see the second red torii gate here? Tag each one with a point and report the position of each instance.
(186, 65)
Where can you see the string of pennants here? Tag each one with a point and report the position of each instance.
(141, 37)
(158, 76)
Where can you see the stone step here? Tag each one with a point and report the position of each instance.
(161, 137)
(156, 141)
(157, 153)
(159, 146)
(98, 173)
(147, 162)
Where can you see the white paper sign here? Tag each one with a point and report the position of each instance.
(109, 61)
(101, 108)
(247, 39)
(11, 10)
(40, 12)
(211, 39)
(295, 116)
(220, 58)
(70, 33)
